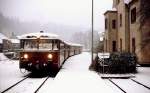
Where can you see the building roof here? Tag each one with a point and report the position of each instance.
(2, 37)
(41, 35)
(114, 9)
(115, 3)
(110, 11)
(14, 40)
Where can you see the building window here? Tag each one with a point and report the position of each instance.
(118, 1)
(114, 46)
(106, 22)
(106, 45)
(120, 44)
(133, 45)
(120, 17)
(133, 15)
(114, 24)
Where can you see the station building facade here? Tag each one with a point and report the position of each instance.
(122, 29)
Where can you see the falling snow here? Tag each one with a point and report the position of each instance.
(74, 77)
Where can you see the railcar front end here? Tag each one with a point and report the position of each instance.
(44, 51)
(38, 60)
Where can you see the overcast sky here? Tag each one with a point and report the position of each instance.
(66, 12)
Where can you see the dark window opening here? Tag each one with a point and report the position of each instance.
(133, 15)
(114, 46)
(118, 1)
(106, 46)
(120, 44)
(114, 24)
(120, 20)
(106, 23)
(133, 45)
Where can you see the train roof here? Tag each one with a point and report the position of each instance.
(72, 44)
(41, 35)
(14, 40)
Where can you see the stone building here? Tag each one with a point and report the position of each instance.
(1, 41)
(7, 46)
(11, 45)
(127, 33)
(110, 37)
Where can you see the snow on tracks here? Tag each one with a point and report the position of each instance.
(29, 85)
(129, 86)
(14, 85)
(75, 77)
(3, 57)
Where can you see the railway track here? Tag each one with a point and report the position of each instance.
(117, 86)
(14, 85)
(10, 89)
(141, 84)
(41, 85)
(133, 85)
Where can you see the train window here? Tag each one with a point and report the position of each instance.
(30, 44)
(22, 44)
(55, 45)
(62, 45)
(41, 44)
(45, 44)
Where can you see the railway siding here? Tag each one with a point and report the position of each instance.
(130, 86)
(30, 85)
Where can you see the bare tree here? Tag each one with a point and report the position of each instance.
(145, 27)
(145, 20)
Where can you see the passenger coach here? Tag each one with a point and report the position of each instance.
(45, 51)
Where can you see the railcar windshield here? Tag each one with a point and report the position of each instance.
(45, 44)
(40, 44)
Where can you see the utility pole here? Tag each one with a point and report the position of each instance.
(92, 20)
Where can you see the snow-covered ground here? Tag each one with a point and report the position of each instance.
(28, 86)
(74, 77)
(143, 75)
(9, 72)
(130, 87)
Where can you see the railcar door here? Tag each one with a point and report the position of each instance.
(62, 52)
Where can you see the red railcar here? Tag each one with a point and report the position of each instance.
(44, 51)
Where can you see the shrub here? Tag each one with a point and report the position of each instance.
(120, 62)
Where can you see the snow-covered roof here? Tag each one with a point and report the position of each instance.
(14, 40)
(127, 1)
(114, 9)
(2, 37)
(1, 40)
(72, 44)
(41, 35)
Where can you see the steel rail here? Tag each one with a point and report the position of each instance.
(41, 85)
(140, 84)
(117, 86)
(14, 85)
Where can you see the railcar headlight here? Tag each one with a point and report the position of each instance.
(26, 56)
(50, 56)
